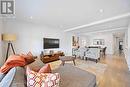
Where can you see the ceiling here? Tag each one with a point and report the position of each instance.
(68, 14)
(113, 25)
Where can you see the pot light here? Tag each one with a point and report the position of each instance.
(31, 17)
(101, 10)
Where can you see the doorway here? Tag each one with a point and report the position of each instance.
(118, 43)
(120, 47)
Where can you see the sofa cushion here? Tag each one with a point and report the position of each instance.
(19, 78)
(35, 79)
(7, 80)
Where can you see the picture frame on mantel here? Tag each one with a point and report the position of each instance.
(98, 42)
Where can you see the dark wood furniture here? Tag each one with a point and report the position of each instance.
(50, 57)
(67, 58)
(103, 51)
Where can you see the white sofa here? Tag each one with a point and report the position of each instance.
(93, 53)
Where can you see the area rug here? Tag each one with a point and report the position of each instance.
(97, 69)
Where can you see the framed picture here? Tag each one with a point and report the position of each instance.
(75, 41)
(98, 42)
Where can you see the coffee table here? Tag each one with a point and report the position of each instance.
(67, 58)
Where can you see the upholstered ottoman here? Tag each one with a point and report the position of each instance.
(74, 77)
(67, 58)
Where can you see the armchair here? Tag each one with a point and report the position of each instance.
(80, 52)
(93, 53)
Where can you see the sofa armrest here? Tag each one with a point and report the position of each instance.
(7, 80)
(19, 78)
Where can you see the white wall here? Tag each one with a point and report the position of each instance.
(30, 37)
(128, 61)
(1, 55)
(108, 38)
(125, 49)
(83, 40)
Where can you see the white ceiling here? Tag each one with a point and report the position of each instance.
(113, 25)
(67, 14)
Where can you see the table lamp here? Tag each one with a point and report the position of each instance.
(9, 38)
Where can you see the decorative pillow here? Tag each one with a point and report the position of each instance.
(28, 58)
(45, 69)
(35, 79)
(11, 62)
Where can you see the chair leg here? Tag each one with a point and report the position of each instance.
(74, 62)
(86, 58)
(96, 60)
(63, 63)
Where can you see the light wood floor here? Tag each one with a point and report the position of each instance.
(116, 74)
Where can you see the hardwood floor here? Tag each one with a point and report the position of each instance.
(116, 74)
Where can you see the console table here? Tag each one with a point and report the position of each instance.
(50, 57)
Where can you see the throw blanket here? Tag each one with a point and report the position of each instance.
(12, 61)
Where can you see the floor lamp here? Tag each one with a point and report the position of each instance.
(9, 38)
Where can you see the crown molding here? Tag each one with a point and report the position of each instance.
(99, 22)
(101, 31)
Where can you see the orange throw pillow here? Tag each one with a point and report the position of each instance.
(12, 61)
(45, 69)
(28, 58)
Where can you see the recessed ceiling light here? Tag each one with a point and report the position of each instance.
(101, 10)
(61, 26)
(31, 17)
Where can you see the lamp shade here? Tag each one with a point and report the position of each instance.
(8, 37)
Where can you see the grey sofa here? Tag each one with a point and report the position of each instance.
(70, 76)
(19, 78)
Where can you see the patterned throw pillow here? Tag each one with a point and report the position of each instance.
(35, 79)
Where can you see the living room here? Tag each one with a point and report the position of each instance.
(93, 23)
